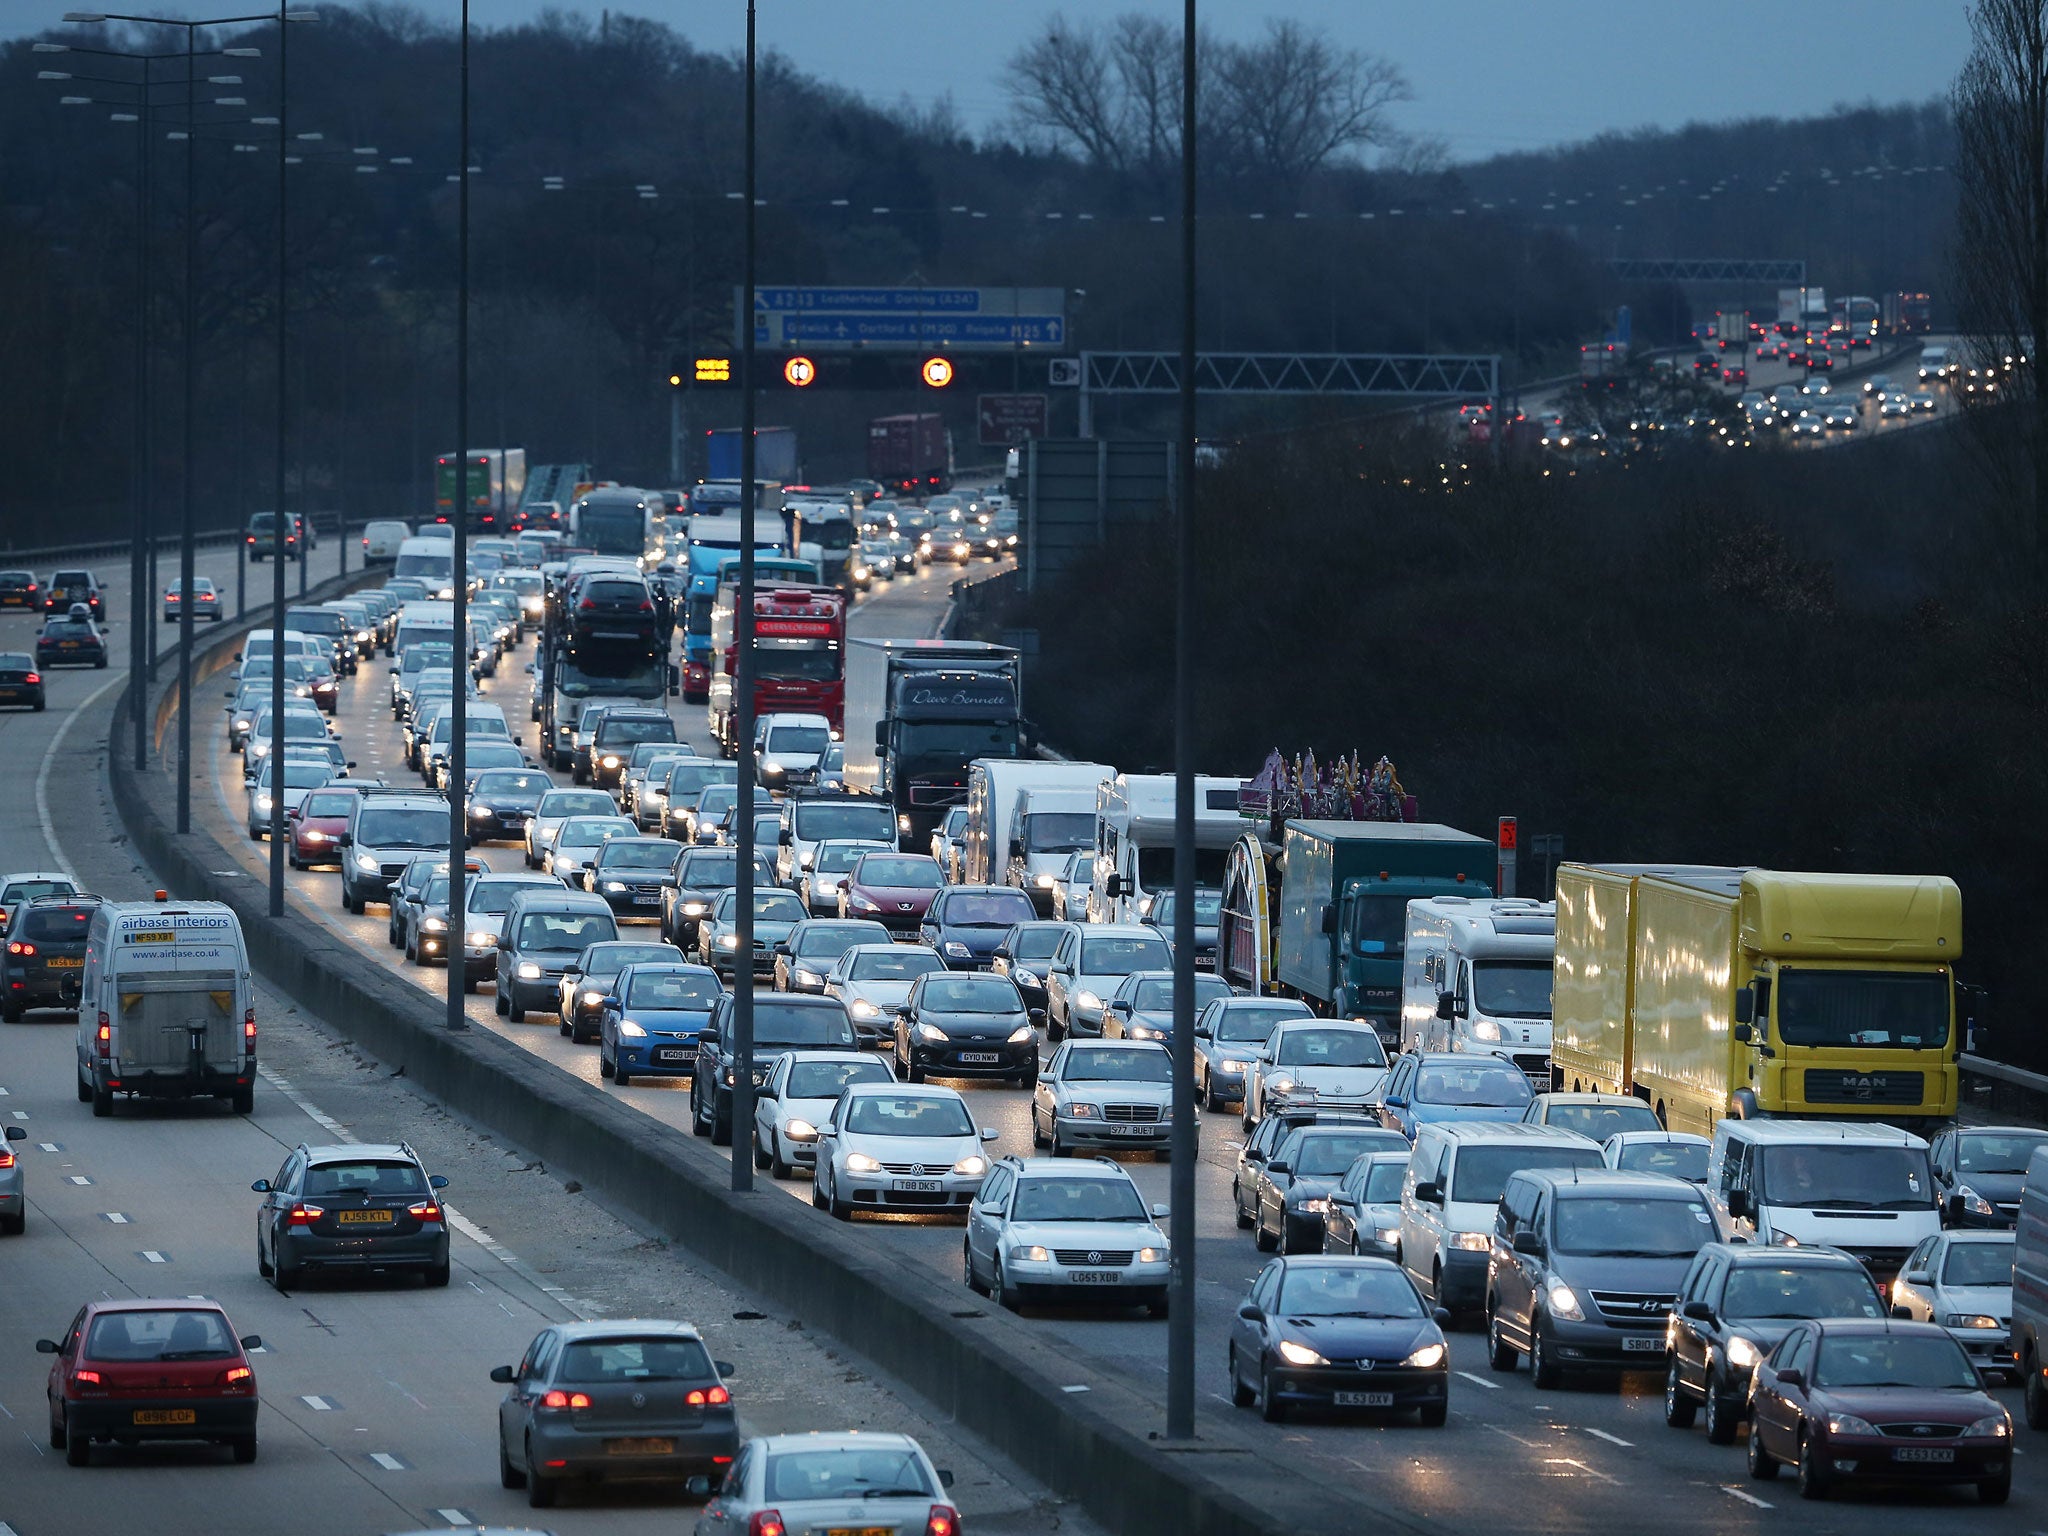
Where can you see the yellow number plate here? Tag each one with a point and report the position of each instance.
(639, 1447)
(363, 1218)
(860, 1530)
(166, 1416)
(66, 963)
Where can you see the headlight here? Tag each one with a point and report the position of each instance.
(1486, 1029)
(592, 999)
(482, 939)
(800, 1130)
(1970, 1320)
(861, 1008)
(1023, 977)
(931, 1034)
(803, 860)
(1743, 1354)
(807, 978)
(313, 835)
(1849, 1424)
(1084, 1111)
(972, 1166)
(1316, 1205)
(1993, 1426)
(618, 886)
(1279, 1083)
(1146, 1032)
(609, 762)
(1152, 1255)
(1475, 1242)
(728, 941)
(480, 809)
(1087, 1001)
(365, 864)
(435, 925)
(955, 947)
(528, 971)
(1045, 882)
(1390, 1234)
(860, 1162)
(1563, 1299)
(1299, 1354)
(694, 909)
(772, 766)
(1020, 1034)
(1034, 1254)
(631, 1030)
(263, 804)
(860, 903)
(1425, 1357)
(1233, 1063)
(1973, 1202)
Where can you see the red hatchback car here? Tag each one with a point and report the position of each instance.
(317, 823)
(894, 889)
(128, 1371)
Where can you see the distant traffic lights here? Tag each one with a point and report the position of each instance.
(936, 372)
(831, 371)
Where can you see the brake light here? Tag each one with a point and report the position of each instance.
(86, 1378)
(646, 606)
(249, 1030)
(767, 1522)
(944, 1520)
(425, 1210)
(305, 1215)
(588, 602)
(560, 1399)
(715, 1396)
(17, 947)
(6, 1158)
(236, 1373)
(105, 1037)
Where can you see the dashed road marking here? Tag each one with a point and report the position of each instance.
(153, 1256)
(50, 1146)
(1601, 1434)
(456, 1516)
(318, 1404)
(1746, 1496)
(116, 1217)
(389, 1462)
(1478, 1380)
(79, 1179)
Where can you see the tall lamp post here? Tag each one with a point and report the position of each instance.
(743, 685)
(458, 797)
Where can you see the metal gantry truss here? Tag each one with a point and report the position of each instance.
(1708, 269)
(1408, 375)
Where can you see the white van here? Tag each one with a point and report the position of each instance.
(419, 621)
(382, 540)
(2030, 1290)
(1048, 825)
(1934, 364)
(1134, 841)
(1475, 976)
(1448, 1199)
(993, 787)
(1863, 1187)
(166, 1009)
(428, 560)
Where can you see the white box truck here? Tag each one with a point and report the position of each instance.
(993, 787)
(1475, 976)
(166, 1008)
(1134, 841)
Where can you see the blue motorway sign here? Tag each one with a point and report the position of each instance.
(907, 318)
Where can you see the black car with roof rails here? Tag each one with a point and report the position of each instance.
(1979, 1171)
(783, 1021)
(1021, 954)
(1294, 1184)
(358, 1207)
(1265, 1139)
(628, 873)
(965, 923)
(689, 889)
(619, 731)
(20, 589)
(71, 640)
(21, 683)
(44, 956)
(502, 801)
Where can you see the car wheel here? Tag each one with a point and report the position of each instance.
(244, 1100)
(1271, 1409)
(1006, 1296)
(1264, 1241)
(102, 1102)
(10, 1013)
(721, 1129)
(912, 1072)
(509, 1476)
(1241, 1396)
(1996, 1490)
(84, 1090)
(1678, 1408)
(500, 1004)
(1059, 1148)
(1762, 1465)
(283, 1276)
(1813, 1476)
(1209, 1100)
(1244, 1221)
(1723, 1413)
(1434, 1415)
(438, 1276)
(348, 900)
(245, 1449)
(841, 1210)
(568, 1030)
(1500, 1354)
(468, 985)
(513, 1011)
(57, 1434)
(77, 1449)
(540, 1491)
(699, 1126)
(967, 1274)
(777, 1168)
(817, 1193)
(760, 1156)
(1542, 1369)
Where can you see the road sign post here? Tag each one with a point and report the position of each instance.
(1505, 845)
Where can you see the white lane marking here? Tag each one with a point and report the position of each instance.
(387, 1461)
(456, 1516)
(1530, 1444)
(1481, 1381)
(43, 775)
(151, 1256)
(116, 1218)
(1574, 1462)
(1746, 1497)
(1075, 1389)
(1601, 1434)
(49, 1146)
(79, 1178)
(318, 1404)
(4, 1094)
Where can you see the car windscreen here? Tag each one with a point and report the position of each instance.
(1630, 1227)
(1997, 1151)
(610, 959)
(1988, 1264)
(675, 991)
(897, 963)
(829, 1079)
(55, 923)
(1330, 1048)
(1326, 1154)
(575, 931)
(1893, 1359)
(973, 994)
(1890, 1010)
(1471, 1084)
(638, 853)
(1157, 996)
(1383, 1180)
(820, 942)
(802, 740)
(780, 906)
(1242, 1024)
(783, 1024)
(1059, 831)
(69, 629)
(1313, 1291)
(1845, 1176)
(365, 1176)
(593, 1362)
(336, 803)
(1679, 1160)
(1057, 1199)
(1119, 957)
(631, 732)
(172, 1334)
(298, 774)
(990, 909)
(592, 831)
(402, 827)
(576, 802)
(901, 872)
(1482, 1172)
(22, 890)
(495, 896)
(1208, 910)
(837, 858)
(902, 1114)
(685, 779)
(514, 787)
(817, 820)
(1035, 943)
(852, 1472)
(1513, 989)
(1118, 1064)
(1600, 1121)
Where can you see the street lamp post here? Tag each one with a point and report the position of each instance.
(743, 686)
(458, 800)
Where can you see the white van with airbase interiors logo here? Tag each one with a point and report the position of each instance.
(166, 1009)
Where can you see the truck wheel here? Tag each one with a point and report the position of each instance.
(102, 1102)
(245, 1100)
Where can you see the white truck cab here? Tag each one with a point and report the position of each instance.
(1134, 841)
(1475, 976)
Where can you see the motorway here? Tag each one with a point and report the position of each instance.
(377, 1412)
(1595, 1457)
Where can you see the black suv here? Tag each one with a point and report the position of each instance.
(68, 587)
(611, 606)
(618, 732)
(689, 889)
(45, 954)
(783, 1021)
(1734, 1305)
(361, 1207)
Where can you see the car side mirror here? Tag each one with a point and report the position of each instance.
(344, 841)
(1429, 1192)
(989, 1133)
(708, 1035)
(572, 969)
(1329, 919)
(1529, 1243)
(766, 1091)
(1002, 954)
(1446, 1005)
(1739, 1205)
(881, 735)
(1742, 1032)
(1792, 1378)
(1279, 1167)
(1251, 1313)
(726, 1368)
(1902, 1314)
(46, 1347)
(785, 837)
(1113, 887)
(828, 1132)
(613, 1003)
(1745, 1012)
(437, 1181)
(1160, 1212)
(1120, 1009)
(1348, 1202)
(261, 1186)
(1698, 1311)
(1395, 1101)
(503, 1373)
(1917, 1277)
(251, 1341)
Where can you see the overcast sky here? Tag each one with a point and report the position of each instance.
(1489, 75)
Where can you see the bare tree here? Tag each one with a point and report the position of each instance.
(1064, 89)
(2000, 102)
(1293, 102)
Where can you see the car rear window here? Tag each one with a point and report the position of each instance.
(182, 1333)
(592, 1362)
(66, 922)
(365, 1176)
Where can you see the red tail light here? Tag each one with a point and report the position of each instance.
(425, 1210)
(6, 1158)
(767, 1522)
(647, 606)
(249, 1030)
(560, 1399)
(252, 538)
(715, 1396)
(587, 603)
(305, 1215)
(17, 947)
(237, 1373)
(105, 1037)
(86, 1378)
(944, 1520)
